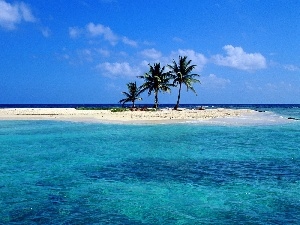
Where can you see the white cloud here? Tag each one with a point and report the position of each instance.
(127, 41)
(291, 67)
(151, 54)
(74, 32)
(103, 52)
(13, 14)
(118, 69)
(198, 59)
(148, 43)
(237, 58)
(212, 81)
(145, 64)
(85, 55)
(123, 54)
(25, 12)
(177, 39)
(100, 30)
(46, 32)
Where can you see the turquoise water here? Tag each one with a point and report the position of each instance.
(80, 173)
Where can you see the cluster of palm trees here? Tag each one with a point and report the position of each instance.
(158, 80)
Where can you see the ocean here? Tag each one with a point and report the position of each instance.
(56, 172)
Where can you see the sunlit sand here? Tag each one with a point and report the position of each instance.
(218, 115)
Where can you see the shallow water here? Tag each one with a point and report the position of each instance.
(81, 173)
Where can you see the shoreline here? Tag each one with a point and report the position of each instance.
(125, 116)
(161, 116)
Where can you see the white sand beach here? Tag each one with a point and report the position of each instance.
(159, 116)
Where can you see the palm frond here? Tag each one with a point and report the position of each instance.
(181, 73)
(133, 93)
(156, 80)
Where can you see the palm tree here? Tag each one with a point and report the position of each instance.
(156, 80)
(132, 95)
(181, 73)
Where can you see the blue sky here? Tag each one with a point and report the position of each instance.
(85, 51)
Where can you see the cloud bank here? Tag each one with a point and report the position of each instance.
(212, 81)
(98, 30)
(238, 59)
(152, 54)
(198, 59)
(13, 14)
(116, 69)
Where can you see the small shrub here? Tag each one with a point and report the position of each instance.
(118, 109)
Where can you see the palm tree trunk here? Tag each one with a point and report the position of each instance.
(133, 106)
(178, 98)
(156, 100)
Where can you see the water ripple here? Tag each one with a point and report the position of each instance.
(204, 172)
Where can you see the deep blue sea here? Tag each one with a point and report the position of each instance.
(55, 172)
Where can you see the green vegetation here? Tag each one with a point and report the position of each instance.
(118, 109)
(182, 74)
(132, 95)
(103, 108)
(93, 108)
(158, 80)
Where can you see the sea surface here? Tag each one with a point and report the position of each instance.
(55, 172)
